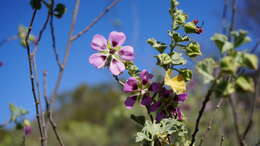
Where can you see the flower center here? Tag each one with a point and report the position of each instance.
(112, 51)
(114, 43)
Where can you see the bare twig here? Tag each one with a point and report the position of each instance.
(86, 29)
(250, 122)
(202, 109)
(36, 75)
(38, 39)
(211, 122)
(67, 53)
(36, 101)
(53, 37)
(118, 80)
(49, 112)
(233, 16)
(235, 119)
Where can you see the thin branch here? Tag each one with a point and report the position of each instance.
(36, 75)
(118, 80)
(49, 112)
(53, 37)
(94, 21)
(235, 119)
(67, 53)
(211, 122)
(36, 102)
(202, 109)
(40, 34)
(250, 122)
(233, 16)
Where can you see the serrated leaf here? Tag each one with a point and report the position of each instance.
(193, 49)
(177, 59)
(249, 60)
(240, 37)
(222, 42)
(190, 27)
(245, 83)
(177, 37)
(186, 73)
(159, 46)
(163, 59)
(206, 69)
(228, 64)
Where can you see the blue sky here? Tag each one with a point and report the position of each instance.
(140, 20)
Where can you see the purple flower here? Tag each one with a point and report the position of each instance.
(130, 101)
(155, 87)
(154, 106)
(130, 85)
(146, 100)
(182, 97)
(160, 116)
(117, 52)
(165, 92)
(145, 76)
(27, 130)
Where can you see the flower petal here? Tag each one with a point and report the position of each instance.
(146, 100)
(116, 67)
(154, 106)
(127, 53)
(130, 85)
(98, 60)
(130, 101)
(117, 38)
(160, 116)
(99, 43)
(155, 87)
(182, 97)
(145, 76)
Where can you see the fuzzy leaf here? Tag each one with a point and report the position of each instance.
(159, 46)
(250, 61)
(193, 49)
(186, 73)
(245, 83)
(206, 69)
(177, 59)
(240, 38)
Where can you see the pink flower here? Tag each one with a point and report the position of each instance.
(145, 76)
(130, 85)
(111, 52)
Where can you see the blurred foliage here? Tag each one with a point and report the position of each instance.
(95, 116)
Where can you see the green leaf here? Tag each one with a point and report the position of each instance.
(138, 119)
(159, 46)
(229, 64)
(16, 112)
(36, 4)
(224, 88)
(59, 10)
(193, 49)
(245, 83)
(132, 69)
(180, 17)
(177, 59)
(186, 73)
(222, 42)
(163, 59)
(206, 69)
(177, 37)
(240, 37)
(190, 27)
(249, 60)
(219, 39)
